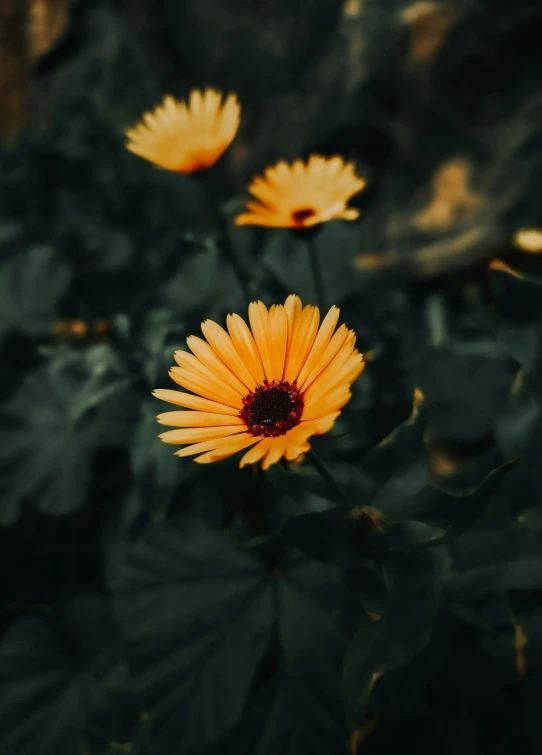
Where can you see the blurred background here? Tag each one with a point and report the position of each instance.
(107, 264)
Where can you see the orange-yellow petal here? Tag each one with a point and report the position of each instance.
(277, 340)
(227, 449)
(320, 344)
(223, 345)
(243, 341)
(211, 445)
(209, 389)
(197, 419)
(337, 342)
(304, 333)
(198, 434)
(259, 323)
(205, 354)
(276, 451)
(256, 452)
(344, 369)
(190, 401)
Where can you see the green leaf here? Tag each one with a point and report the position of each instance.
(519, 319)
(157, 472)
(49, 677)
(197, 613)
(486, 562)
(407, 535)
(306, 717)
(398, 466)
(519, 417)
(464, 392)
(32, 282)
(328, 536)
(51, 427)
(459, 513)
(404, 629)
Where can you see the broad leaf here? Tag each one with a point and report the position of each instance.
(51, 427)
(199, 613)
(49, 674)
(519, 319)
(32, 282)
(403, 630)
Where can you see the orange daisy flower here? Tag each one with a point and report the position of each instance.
(270, 386)
(186, 138)
(302, 195)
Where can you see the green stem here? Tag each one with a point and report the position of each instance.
(213, 202)
(316, 271)
(230, 254)
(326, 475)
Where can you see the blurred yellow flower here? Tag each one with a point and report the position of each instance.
(271, 385)
(302, 195)
(528, 240)
(186, 138)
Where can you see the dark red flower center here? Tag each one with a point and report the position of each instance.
(300, 216)
(272, 409)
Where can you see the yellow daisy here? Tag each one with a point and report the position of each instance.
(528, 240)
(302, 195)
(186, 138)
(270, 386)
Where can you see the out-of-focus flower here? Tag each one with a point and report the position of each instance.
(271, 385)
(186, 138)
(497, 264)
(302, 195)
(528, 240)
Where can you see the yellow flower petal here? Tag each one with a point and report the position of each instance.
(259, 322)
(276, 451)
(244, 342)
(197, 419)
(190, 401)
(277, 340)
(336, 343)
(197, 434)
(256, 452)
(302, 340)
(320, 344)
(202, 351)
(224, 450)
(216, 443)
(209, 388)
(222, 344)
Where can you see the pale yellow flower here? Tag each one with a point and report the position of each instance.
(528, 240)
(301, 195)
(186, 138)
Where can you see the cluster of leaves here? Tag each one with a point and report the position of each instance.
(388, 598)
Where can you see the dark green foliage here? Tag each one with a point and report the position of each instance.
(382, 595)
(60, 414)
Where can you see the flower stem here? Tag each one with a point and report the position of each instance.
(230, 254)
(209, 184)
(326, 475)
(316, 273)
